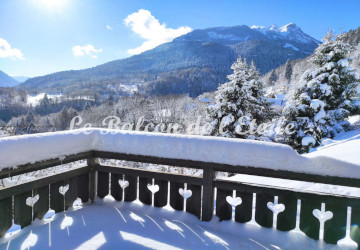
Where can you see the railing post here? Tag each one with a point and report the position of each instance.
(208, 194)
(92, 162)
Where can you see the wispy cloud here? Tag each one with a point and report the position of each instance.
(87, 50)
(149, 28)
(6, 51)
(109, 27)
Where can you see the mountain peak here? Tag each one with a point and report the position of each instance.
(289, 32)
(291, 27)
(222, 35)
(273, 27)
(242, 33)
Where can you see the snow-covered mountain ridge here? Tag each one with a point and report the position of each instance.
(193, 63)
(289, 32)
(232, 35)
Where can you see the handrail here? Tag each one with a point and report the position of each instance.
(255, 157)
(258, 171)
(128, 184)
(48, 163)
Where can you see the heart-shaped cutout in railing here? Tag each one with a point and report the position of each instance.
(153, 188)
(123, 184)
(233, 201)
(186, 193)
(64, 189)
(276, 208)
(322, 215)
(30, 201)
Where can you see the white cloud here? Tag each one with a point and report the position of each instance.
(87, 50)
(149, 28)
(109, 27)
(7, 52)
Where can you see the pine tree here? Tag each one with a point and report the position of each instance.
(45, 101)
(30, 127)
(44, 106)
(111, 100)
(241, 96)
(273, 78)
(323, 98)
(63, 119)
(87, 107)
(20, 127)
(48, 125)
(96, 98)
(288, 70)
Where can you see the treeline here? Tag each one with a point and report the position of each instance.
(171, 109)
(12, 103)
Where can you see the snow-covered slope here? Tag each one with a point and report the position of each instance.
(289, 32)
(35, 99)
(344, 147)
(223, 35)
(19, 150)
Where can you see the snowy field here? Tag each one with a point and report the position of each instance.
(344, 147)
(34, 100)
(114, 225)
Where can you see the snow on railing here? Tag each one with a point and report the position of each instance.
(322, 215)
(19, 150)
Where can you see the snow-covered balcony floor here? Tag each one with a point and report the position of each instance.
(121, 225)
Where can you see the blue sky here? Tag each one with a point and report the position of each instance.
(38, 37)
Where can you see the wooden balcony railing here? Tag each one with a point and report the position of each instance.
(59, 191)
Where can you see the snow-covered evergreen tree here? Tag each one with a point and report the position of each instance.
(87, 107)
(30, 123)
(272, 78)
(111, 100)
(241, 96)
(45, 101)
(20, 126)
(288, 70)
(323, 98)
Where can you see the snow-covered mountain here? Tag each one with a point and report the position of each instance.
(6, 80)
(290, 32)
(193, 63)
(287, 36)
(223, 35)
